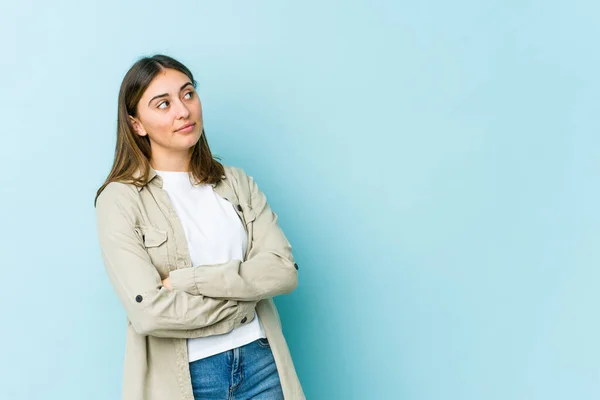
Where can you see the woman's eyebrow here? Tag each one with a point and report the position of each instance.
(167, 94)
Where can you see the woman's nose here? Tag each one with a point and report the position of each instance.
(182, 110)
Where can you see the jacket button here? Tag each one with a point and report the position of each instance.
(239, 207)
(244, 320)
(295, 265)
(138, 298)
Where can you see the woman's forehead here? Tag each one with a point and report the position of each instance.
(167, 81)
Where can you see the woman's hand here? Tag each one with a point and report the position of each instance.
(167, 283)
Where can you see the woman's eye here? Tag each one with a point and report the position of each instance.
(189, 95)
(163, 104)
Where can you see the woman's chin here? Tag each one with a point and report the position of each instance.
(191, 140)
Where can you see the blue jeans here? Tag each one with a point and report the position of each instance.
(243, 373)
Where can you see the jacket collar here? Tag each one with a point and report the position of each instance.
(153, 178)
(223, 188)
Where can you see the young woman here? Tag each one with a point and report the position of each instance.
(193, 251)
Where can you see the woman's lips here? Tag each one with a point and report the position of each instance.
(187, 128)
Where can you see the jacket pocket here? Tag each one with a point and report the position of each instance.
(152, 237)
(249, 217)
(154, 241)
(249, 214)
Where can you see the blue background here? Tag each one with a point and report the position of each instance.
(435, 167)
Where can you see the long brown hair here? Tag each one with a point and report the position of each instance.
(132, 152)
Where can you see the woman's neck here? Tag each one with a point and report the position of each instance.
(171, 162)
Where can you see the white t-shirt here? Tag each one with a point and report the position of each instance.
(215, 235)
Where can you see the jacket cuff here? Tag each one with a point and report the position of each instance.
(184, 280)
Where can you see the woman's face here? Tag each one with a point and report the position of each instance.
(170, 113)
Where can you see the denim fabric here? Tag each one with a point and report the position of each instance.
(244, 373)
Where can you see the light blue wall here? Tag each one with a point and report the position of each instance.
(436, 168)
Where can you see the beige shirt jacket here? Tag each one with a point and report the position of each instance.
(142, 242)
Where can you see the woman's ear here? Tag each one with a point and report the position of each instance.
(137, 126)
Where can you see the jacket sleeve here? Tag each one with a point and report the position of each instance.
(151, 308)
(269, 271)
